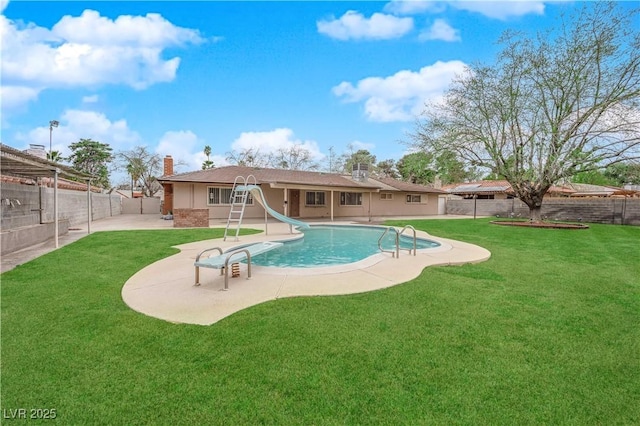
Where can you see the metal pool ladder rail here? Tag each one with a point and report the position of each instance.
(238, 201)
(396, 253)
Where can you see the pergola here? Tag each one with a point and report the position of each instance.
(17, 163)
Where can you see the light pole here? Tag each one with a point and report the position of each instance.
(52, 124)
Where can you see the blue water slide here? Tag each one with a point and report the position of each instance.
(258, 195)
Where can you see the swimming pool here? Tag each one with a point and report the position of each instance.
(330, 245)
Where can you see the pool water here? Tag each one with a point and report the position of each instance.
(335, 245)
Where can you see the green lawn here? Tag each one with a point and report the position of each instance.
(545, 332)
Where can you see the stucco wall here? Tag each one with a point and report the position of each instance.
(194, 196)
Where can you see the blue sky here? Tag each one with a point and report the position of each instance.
(176, 76)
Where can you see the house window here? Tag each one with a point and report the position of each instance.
(414, 198)
(222, 196)
(386, 196)
(315, 198)
(350, 198)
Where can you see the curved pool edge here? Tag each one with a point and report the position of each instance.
(165, 289)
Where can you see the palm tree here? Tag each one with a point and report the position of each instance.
(55, 156)
(208, 164)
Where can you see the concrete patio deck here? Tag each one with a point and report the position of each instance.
(166, 289)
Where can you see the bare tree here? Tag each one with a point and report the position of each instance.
(553, 106)
(143, 167)
(248, 157)
(295, 157)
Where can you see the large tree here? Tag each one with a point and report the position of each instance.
(417, 167)
(143, 167)
(552, 106)
(92, 157)
(353, 157)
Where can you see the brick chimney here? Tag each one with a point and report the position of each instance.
(168, 165)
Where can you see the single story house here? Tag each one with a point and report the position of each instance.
(196, 197)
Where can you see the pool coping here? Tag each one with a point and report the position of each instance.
(166, 290)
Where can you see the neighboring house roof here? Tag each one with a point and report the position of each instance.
(227, 175)
(588, 190)
(479, 187)
(503, 187)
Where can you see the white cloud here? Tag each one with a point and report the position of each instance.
(410, 7)
(90, 99)
(183, 146)
(14, 97)
(274, 140)
(91, 50)
(353, 25)
(502, 10)
(400, 97)
(440, 30)
(3, 5)
(78, 124)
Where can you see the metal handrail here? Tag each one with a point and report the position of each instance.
(415, 239)
(226, 264)
(395, 253)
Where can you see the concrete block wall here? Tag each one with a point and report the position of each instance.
(36, 205)
(618, 211)
(191, 218)
(16, 239)
(22, 207)
(141, 206)
(73, 205)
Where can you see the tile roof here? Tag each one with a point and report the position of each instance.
(227, 175)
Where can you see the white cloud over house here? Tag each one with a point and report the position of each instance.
(440, 30)
(78, 124)
(271, 142)
(355, 26)
(87, 51)
(401, 96)
(502, 10)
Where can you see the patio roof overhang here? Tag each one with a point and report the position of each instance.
(14, 162)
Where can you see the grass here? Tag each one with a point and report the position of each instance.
(546, 331)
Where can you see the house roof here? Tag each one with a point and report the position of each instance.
(228, 174)
(503, 187)
(588, 190)
(479, 187)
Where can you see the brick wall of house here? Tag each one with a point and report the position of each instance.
(191, 218)
(617, 211)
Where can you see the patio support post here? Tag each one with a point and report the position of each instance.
(475, 202)
(332, 205)
(89, 206)
(55, 207)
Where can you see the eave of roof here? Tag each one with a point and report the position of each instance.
(14, 162)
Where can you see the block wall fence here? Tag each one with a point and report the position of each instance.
(616, 211)
(32, 205)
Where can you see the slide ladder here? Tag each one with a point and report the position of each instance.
(238, 201)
